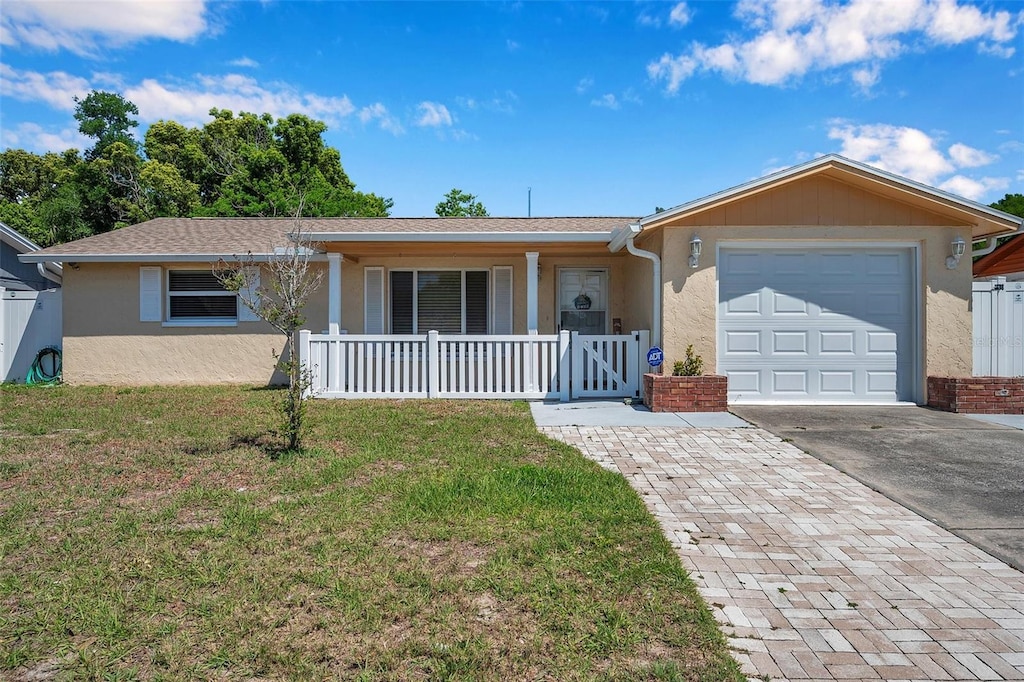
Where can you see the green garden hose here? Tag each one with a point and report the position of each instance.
(38, 375)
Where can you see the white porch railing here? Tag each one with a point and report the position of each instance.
(436, 365)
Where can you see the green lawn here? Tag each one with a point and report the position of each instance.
(146, 534)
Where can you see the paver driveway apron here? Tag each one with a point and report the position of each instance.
(812, 574)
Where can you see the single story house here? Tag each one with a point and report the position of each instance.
(828, 282)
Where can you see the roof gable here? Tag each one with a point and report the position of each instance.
(835, 190)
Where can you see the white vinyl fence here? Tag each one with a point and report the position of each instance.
(29, 322)
(998, 328)
(433, 365)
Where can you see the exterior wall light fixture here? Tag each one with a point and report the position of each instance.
(956, 249)
(695, 246)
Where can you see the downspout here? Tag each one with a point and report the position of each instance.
(625, 238)
(47, 274)
(990, 246)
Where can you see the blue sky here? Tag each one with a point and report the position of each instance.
(601, 108)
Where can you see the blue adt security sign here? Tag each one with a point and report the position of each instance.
(655, 357)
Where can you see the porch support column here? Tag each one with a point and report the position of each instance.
(531, 291)
(334, 293)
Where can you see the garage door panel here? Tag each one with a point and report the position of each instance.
(744, 304)
(837, 342)
(743, 342)
(837, 383)
(789, 303)
(791, 382)
(820, 325)
(881, 342)
(789, 343)
(886, 265)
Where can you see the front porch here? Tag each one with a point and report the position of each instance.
(563, 366)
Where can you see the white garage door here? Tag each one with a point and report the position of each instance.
(817, 325)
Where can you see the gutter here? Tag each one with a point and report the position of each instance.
(52, 276)
(624, 237)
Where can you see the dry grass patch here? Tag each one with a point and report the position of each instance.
(147, 534)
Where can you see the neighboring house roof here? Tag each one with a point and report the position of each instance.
(1007, 258)
(200, 239)
(22, 244)
(986, 220)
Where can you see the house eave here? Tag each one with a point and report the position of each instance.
(152, 257)
(457, 237)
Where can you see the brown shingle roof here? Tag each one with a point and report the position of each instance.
(232, 236)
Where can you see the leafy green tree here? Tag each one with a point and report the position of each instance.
(244, 165)
(457, 203)
(1011, 203)
(106, 117)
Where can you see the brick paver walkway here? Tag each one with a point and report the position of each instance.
(812, 574)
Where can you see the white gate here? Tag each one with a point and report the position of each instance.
(606, 366)
(998, 328)
(29, 322)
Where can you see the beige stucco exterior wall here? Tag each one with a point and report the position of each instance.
(352, 313)
(105, 343)
(691, 297)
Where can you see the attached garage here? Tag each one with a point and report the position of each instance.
(812, 323)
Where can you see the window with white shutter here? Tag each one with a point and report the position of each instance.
(373, 286)
(150, 294)
(502, 300)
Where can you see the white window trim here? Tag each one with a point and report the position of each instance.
(168, 321)
(416, 299)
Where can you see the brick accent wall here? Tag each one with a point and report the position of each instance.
(980, 395)
(707, 393)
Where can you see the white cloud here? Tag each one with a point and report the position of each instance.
(35, 138)
(83, 27)
(378, 112)
(56, 88)
(433, 115)
(608, 101)
(673, 70)
(511, 45)
(680, 15)
(914, 154)
(244, 63)
(974, 189)
(584, 85)
(648, 20)
(190, 102)
(969, 157)
(785, 40)
(867, 77)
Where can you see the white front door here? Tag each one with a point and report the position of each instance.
(583, 300)
(817, 324)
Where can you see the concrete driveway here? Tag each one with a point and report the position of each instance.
(964, 474)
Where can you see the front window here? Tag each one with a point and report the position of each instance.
(446, 301)
(198, 295)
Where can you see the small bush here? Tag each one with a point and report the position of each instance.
(692, 366)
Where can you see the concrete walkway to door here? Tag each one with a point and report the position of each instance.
(812, 574)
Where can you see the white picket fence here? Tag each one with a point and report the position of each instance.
(998, 328)
(531, 367)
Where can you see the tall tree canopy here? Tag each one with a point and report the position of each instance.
(457, 203)
(234, 165)
(1011, 203)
